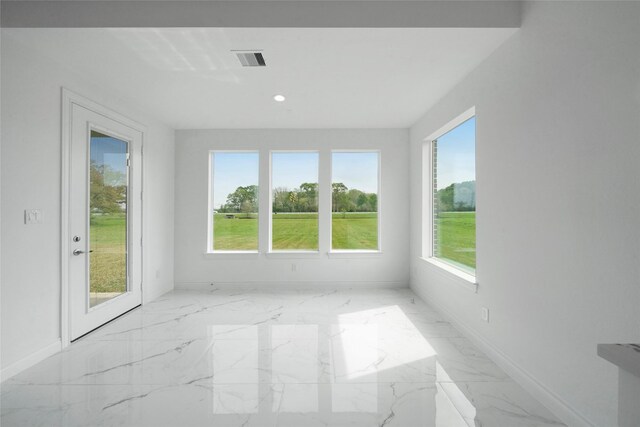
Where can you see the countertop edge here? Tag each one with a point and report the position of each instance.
(625, 356)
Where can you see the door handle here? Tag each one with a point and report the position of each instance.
(77, 252)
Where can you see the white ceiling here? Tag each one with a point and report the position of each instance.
(332, 78)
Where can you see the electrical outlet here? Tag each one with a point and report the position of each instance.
(294, 268)
(32, 216)
(484, 314)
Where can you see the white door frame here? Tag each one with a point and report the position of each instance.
(70, 98)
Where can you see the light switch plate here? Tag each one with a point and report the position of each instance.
(32, 216)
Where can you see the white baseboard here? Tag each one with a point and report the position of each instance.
(330, 284)
(30, 360)
(565, 412)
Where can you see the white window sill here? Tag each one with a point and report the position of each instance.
(231, 254)
(292, 254)
(466, 280)
(346, 254)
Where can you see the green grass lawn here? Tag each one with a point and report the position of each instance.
(237, 234)
(456, 237)
(296, 231)
(108, 261)
(354, 231)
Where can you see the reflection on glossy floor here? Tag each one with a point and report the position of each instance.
(285, 358)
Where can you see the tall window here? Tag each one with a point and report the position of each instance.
(234, 201)
(354, 185)
(453, 157)
(294, 201)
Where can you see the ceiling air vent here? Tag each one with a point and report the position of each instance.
(251, 59)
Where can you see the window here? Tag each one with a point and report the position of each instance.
(109, 188)
(453, 195)
(234, 201)
(354, 185)
(294, 201)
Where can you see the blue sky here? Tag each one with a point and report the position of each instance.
(109, 151)
(356, 170)
(289, 170)
(457, 155)
(235, 169)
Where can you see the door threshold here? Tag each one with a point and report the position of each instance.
(104, 324)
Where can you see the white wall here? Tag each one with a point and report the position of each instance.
(558, 178)
(31, 116)
(196, 269)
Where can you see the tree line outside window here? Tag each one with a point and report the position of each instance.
(304, 199)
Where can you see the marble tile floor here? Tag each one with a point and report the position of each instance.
(272, 358)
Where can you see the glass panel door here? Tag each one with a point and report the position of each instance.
(108, 190)
(105, 218)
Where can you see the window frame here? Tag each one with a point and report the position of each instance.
(270, 250)
(210, 206)
(336, 252)
(428, 214)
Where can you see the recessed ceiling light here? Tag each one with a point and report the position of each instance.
(279, 98)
